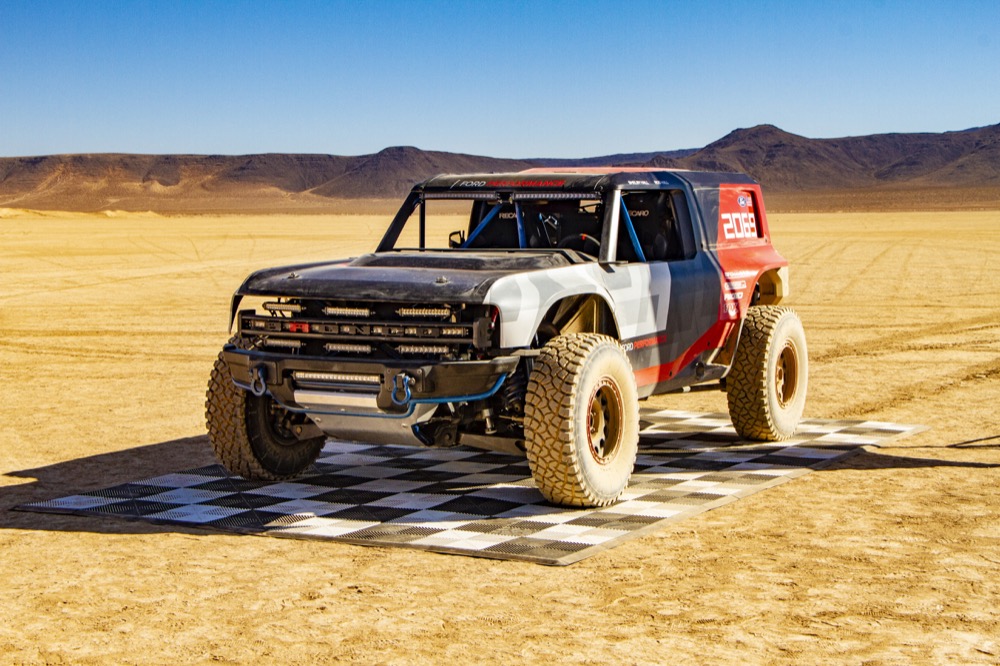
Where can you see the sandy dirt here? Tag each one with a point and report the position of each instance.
(109, 325)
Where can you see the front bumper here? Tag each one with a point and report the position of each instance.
(370, 388)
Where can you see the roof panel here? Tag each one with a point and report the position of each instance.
(594, 179)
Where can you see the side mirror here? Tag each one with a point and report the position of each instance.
(456, 239)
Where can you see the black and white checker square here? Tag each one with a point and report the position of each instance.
(471, 502)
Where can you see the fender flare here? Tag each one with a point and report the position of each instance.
(525, 300)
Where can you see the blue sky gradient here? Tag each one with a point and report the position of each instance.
(503, 78)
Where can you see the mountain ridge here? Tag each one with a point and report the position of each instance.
(784, 161)
(781, 161)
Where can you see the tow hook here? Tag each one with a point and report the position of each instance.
(258, 380)
(401, 388)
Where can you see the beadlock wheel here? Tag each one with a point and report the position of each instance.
(581, 420)
(766, 387)
(251, 435)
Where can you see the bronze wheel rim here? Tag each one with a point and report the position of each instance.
(786, 375)
(604, 421)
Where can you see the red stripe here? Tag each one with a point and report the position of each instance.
(653, 375)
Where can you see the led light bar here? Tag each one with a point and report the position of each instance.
(461, 195)
(281, 342)
(457, 330)
(424, 312)
(524, 196)
(337, 377)
(343, 311)
(348, 347)
(274, 306)
(422, 349)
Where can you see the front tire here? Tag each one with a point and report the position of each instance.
(766, 387)
(581, 420)
(250, 435)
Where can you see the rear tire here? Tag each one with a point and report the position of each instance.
(249, 434)
(766, 387)
(581, 420)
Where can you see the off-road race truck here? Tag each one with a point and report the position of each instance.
(563, 298)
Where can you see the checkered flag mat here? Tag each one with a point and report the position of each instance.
(471, 502)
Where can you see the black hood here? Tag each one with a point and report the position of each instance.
(419, 277)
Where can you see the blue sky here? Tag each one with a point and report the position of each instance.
(508, 79)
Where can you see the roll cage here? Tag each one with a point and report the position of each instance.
(596, 222)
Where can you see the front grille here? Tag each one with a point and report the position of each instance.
(388, 330)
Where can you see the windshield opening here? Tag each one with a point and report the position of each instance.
(508, 221)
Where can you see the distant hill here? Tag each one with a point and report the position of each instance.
(393, 171)
(618, 159)
(210, 183)
(784, 163)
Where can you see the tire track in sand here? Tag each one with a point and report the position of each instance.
(923, 390)
(883, 344)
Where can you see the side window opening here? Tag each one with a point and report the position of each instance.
(656, 225)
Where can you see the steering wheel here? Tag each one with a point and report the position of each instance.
(581, 242)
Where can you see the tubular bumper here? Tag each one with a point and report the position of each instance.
(374, 386)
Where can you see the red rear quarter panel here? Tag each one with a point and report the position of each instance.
(744, 247)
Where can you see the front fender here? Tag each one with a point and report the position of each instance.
(524, 299)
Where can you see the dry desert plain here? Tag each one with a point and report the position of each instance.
(109, 325)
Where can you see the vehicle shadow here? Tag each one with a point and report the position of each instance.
(81, 475)
(92, 473)
(873, 459)
(976, 443)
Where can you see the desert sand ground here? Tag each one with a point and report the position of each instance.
(110, 323)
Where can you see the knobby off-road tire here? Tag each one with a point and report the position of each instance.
(246, 436)
(766, 387)
(581, 420)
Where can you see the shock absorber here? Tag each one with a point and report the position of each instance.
(514, 391)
